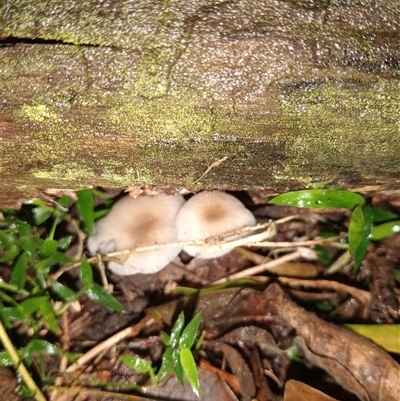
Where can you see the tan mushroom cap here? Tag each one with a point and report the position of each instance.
(133, 223)
(208, 214)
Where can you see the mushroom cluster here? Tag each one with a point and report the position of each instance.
(156, 220)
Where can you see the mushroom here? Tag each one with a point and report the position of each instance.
(209, 214)
(132, 223)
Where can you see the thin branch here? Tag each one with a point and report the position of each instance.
(19, 366)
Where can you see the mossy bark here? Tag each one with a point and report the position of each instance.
(112, 93)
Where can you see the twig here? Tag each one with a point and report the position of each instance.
(19, 366)
(210, 167)
(115, 339)
(260, 268)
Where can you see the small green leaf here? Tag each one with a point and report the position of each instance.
(26, 237)
(49, 247)
(85, 205)
(356, 229)
(100, 295)
(64, 243)
(385, 230)
(40, 347)
(190, 369)
(41, 213)
(48, 315)
(189, 334)
(381, 215)
(166, 365)
(166, 339)
(65, 293)
(176, 330)
(18, 275)
(137, 364)
(33, 304)
(319, 199)
(178, 369)
(359, 231)
(86, 273)
(5, 360)
(12, 314)
(9, 247)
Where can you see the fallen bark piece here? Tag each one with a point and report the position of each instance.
(369, 364)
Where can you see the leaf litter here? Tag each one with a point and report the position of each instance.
(272, 315)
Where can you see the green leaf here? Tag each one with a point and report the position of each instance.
(359, 231)
(48, 315)
(12, 314)
(33, 304)
(189, 334)
(190, 369)
(18, 275)
(100, 295)
(65, 293)
(49, 247)
(137, 364)
(178, 368)
(319, 199)
(86, 273)
(42, 348)
(64, 243)
(166, 365)
(9, 247)
(5, 360)
(356, 229)
(382, 215)
(41, 213)
(166, 339)
(85, 205)
(26, 237)
(385, 230)
(176, 330)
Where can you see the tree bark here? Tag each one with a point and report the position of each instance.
(286, 94)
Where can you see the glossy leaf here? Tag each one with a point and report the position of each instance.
(41, 213)
(166, 339)
(166, 365)
(49, 247)
(65, 293)
(48, 315)
(137, 364)
(176, 330)
(5, 359)
(359, 231)
(178, 368)
(190, 369)
(64, 243)
(40, 347)
(385, 230)
(319, 199)
(100, 295)
(189, 334)
(86, 273)
(356, 229)
(26, 237)
(9, 247)
(85, 205)
(18, 275)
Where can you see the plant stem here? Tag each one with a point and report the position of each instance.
(19, 366)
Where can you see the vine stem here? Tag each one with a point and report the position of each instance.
(19, 366)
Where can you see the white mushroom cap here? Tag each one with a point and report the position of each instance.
(208, 214)
(133, 223)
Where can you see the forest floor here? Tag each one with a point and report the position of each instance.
(273, 317)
